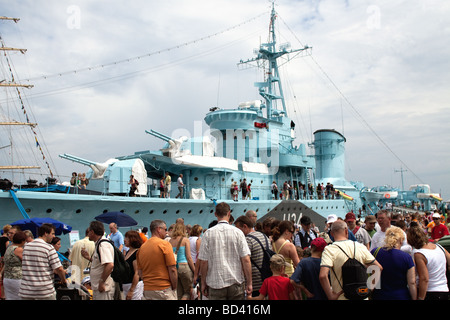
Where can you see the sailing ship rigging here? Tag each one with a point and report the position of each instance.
(8, 122)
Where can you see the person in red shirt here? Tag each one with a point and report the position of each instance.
(278, 286)
(439, 230)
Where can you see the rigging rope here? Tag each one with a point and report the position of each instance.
(353, 108)
(38, 145)
(145, 55)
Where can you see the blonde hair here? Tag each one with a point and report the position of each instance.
(393, 236)
(179, 230)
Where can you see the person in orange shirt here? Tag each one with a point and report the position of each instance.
(143, 234)
(157, 266)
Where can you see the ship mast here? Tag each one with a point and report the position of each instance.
(271, 89)
(12, 84)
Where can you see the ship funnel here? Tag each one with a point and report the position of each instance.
(329, 148)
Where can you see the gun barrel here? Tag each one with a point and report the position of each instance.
(159, 135)
(77, 159)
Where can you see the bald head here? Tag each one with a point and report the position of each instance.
(339, 230)
(252, 215)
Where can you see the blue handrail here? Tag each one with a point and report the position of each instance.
(19, 205)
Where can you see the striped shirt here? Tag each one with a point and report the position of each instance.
(257, 256)
(38, 262)
(223, 246)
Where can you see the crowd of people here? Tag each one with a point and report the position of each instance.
(79, 180)
(235, 259)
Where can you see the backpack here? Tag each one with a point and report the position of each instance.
(122, 272)
(354, 278)
(267, 254)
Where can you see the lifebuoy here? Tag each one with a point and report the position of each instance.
(387, 195)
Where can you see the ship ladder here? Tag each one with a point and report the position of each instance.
(19, 205)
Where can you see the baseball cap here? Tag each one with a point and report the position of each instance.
(305, 220)
(350, 216)
(436, 215)
(319, 243)
(331, 218)
(278, 260)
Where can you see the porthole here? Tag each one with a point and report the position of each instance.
(136, 212)
(201, 211)
(28, 210)
(211, 211)
(189, 212)
(177, 212)
(78, 211)
(165, 211)
(123, 210)
(195, 178)
(49, 210)
(105, 211)
(151, 211)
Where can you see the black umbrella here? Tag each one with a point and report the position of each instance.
(120, 218)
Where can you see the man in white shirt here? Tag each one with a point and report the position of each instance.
(102, 263)
(225, 260)
(384, 221)
(180, 186)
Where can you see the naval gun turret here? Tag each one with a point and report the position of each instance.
(113, 175)
(97, 168)
(173, 148)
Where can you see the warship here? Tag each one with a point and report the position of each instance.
(251, 144)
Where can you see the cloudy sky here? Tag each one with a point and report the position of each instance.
(106, 71)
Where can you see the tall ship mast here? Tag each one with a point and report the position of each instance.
(9, 83)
